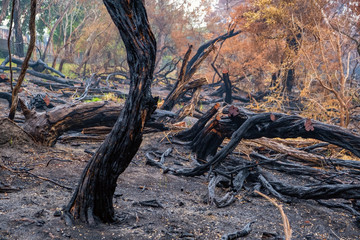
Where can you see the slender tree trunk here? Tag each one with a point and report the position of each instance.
(25, 64)
(61, 65)
(19, 42)
(94, 195)
(51, 35)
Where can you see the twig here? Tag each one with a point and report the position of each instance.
(286, 224)
(56, 159)
(34, 175)
(49, 180)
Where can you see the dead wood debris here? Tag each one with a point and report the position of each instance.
(316, 175)
(242, 233)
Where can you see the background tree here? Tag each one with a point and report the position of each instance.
(19, 41)
(4, 9)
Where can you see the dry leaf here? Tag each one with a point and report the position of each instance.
(308, 125)
(47, 100)
(272, 117)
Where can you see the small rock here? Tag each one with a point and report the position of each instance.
(57, 213)
(40, 223)
(40, 213)
(66, 235)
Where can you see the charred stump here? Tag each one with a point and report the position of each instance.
(93, 197)
(227, 84)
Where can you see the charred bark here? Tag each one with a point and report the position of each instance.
(48, 126)
(92, 199)
(177, 90)
(189, 67)
(42, 75)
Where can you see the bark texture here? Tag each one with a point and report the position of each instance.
(48, 126)
(93, 198)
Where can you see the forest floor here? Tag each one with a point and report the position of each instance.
(31, 207)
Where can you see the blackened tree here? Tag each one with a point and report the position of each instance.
(92, 200)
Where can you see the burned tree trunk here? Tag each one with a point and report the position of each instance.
(177, 90)
(92, 199)
(181, 86)
(189, 68)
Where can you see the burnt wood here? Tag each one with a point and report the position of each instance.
(92, 199)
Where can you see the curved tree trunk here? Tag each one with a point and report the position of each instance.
(92, 200)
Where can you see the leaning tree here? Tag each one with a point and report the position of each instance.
(92, 200)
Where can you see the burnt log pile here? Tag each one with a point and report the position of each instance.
(308, 170)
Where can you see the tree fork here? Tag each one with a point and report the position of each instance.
(92, 199)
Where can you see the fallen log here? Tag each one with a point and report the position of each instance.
(49, 85)
(345, 191)
(43, 76)
(6, 96)
(239, 123)
(38, 66)
(47, 127)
